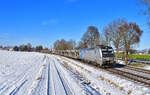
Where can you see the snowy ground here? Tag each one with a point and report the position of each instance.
(147, 67)
(105, 82)
(143, 67)
(24, 73)
(29, 73)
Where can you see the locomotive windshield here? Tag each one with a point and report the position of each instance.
(107, 51)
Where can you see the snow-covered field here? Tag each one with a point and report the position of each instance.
(24, 73)
(30, 73)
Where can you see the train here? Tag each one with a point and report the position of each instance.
(100, 55)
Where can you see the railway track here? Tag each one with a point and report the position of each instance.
(138, 69)
(131, 76)
(136, 77)
(128, 75)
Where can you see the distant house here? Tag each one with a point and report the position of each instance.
(140, 53)
(143, 52)
(8, 48)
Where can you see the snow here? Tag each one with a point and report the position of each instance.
(105, 82)
(17, 71)
(31, 73)
(146, 67)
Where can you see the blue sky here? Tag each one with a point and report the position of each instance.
(44, 21)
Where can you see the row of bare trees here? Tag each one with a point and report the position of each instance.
(64, 45)
(122, 35)
(28, 48)
(146, 10)
(90, 39)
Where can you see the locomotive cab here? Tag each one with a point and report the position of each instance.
(107, 55)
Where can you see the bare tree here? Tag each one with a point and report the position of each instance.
(107, 36)
(22, 48)
(131, 34)
(64, 45)
(56, 45)
(146, 3)
(91, 38)
(60, 45)
(39, 48)
(112, 34)
(81, 45)
(71, 44)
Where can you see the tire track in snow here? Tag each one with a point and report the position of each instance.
(39, 85)
(12, 84)
(65, 88)
(17, 88)
(58, 85)
(14, 88)
(48, 81)
(52, 86)
(5, 88)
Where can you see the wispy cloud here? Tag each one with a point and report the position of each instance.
(48, 22)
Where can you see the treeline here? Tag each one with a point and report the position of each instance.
(119, 33)
(90, 39)
(64, 45)
(29, 48)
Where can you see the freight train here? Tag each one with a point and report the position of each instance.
(100, 55)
